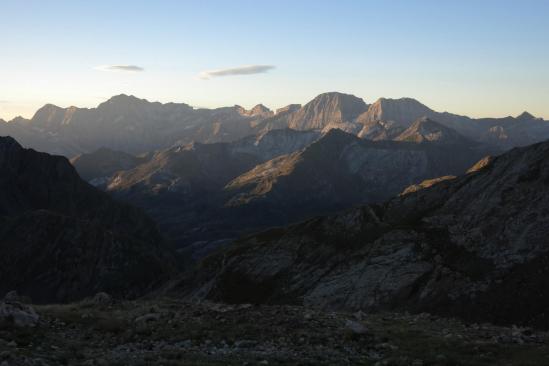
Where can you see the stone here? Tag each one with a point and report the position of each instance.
(147, 318)
(17, 314)
(245, 344)
(356, 327)
(102, 298)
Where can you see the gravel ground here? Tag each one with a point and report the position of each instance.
(172, 332)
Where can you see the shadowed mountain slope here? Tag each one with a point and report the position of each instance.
(61, 239)
(103, 163)
(341, 170)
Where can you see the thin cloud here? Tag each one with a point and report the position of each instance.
(241, 70)
(120, 68)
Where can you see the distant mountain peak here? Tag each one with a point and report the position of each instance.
(328, 96)
(257, 111)
(402, 111)
(288, 109)
(19, 119)
(335, 136)
(383, 100)
(48, 109)
(525, 116)
(124, 99)
(425, 129)
(328, 108)
(261, 108)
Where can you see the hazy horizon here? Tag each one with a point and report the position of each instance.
(480, 59)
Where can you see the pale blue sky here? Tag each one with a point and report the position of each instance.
(480, 58)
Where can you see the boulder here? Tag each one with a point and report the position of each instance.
(101, 298)
(17, 314)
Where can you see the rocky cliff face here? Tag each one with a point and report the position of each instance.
(61, 239)
(475, 247)
(325, 109)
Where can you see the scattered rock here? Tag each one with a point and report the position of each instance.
(148, 318)
(17, 314)
(102, 298)
(356, 327)
(245, 344)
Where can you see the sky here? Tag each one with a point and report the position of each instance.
(475, 57)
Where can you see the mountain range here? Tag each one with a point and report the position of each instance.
(136, 126)
(202, 194)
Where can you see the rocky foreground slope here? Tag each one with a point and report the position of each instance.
(177, 333)
(475, 247)
(61, 239)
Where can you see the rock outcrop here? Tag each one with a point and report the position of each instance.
(15, 314)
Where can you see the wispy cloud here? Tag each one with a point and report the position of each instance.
(120, 68)
(240, 70)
